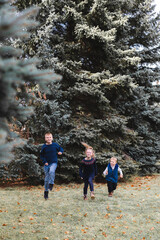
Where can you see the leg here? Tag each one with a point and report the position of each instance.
(110, 188)
(90, 181)
(46, 179)
(114, 186)
(52, 170)
(85, 187)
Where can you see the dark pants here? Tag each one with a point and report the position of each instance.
(111, 186)
(88, 181)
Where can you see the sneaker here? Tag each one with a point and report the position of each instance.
(50, 187)
(46, 195)
(92, 195)
(110, 194)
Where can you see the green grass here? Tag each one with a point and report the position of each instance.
(132, 213)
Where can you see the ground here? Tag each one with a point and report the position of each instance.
(132, 213)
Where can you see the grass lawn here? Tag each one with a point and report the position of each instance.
(132, 213)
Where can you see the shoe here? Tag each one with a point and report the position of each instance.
(85, 197)
(46, 195)
(110, 194)
(50, 187)
(92, 195)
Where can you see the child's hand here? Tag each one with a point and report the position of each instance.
(46, 164)
(121, 176)
(59, 153)
(81, 177)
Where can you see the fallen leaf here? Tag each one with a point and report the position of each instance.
(22, 232)
(4, 224)
(152, 228)
(104, 234)
(85, 215)
(119, 217)
(107, 207)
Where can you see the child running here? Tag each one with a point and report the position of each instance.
(49, 158)
(111, 174)
(88, 170)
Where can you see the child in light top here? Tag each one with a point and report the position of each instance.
(111, 175)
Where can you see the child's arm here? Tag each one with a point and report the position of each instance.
(81, 170)
(42, 157)
(95, 167)
(120, 171)
(105, 172)
(59, 149)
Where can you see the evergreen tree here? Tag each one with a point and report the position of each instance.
(96, 46)
(18, 75)
(143, 108)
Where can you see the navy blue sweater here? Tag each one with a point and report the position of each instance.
(112, 174)
(49, 153)
(88, 168)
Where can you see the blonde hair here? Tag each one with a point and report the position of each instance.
(48, 133)
(88, 147)
(114, 158)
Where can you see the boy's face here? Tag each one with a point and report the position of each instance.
(113, 161)
(48, 138)
(89, 153)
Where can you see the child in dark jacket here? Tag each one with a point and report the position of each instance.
(49, 153)
(87, 171)
(111, 174)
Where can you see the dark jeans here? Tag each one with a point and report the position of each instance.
(111, 186)
(88, 181)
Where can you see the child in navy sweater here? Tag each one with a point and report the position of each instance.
(111, 174)
(49, 158)
(88, 171)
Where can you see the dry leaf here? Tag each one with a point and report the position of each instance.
(104, 234)
(119, 217)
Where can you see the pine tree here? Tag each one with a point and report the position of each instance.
(96, 46)
(143, 108)
(18, 75)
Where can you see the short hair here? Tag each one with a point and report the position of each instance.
(113, 158)
(48, 133)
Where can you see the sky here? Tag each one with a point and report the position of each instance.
(157, 3)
